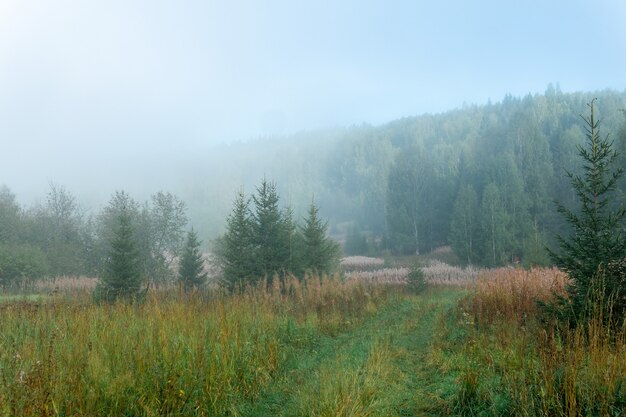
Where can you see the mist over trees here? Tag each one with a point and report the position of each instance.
(59, 239)
(481, 179)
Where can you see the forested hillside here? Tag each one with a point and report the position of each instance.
(481, 178)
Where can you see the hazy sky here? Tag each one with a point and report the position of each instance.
(82, 82)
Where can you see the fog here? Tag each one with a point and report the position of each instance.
(119, 94)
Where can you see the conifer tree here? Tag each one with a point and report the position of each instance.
(122, 275)
(237, 250)
(270, 232)
(320, 253)
(191, 269)
(597, 238)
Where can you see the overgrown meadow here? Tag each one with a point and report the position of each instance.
(320, 346)
(175, 354)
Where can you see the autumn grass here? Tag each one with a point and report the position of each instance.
(513, 294)
(435, 273)
(358, 390)
(176, 354)
(512, 361)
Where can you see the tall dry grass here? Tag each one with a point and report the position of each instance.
(524, 366)
(435, 273)
(440, 273)
(381, 276)
(512, 294)
(176, 354)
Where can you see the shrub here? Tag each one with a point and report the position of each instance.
(20, 265)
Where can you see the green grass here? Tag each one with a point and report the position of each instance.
(176, 354)
(381, 368)
(319, 348)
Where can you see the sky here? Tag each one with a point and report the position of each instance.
(86, 86)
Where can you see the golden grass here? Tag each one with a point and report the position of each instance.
(436, 273)
(176, 354)
(512, 294)
(538, 368)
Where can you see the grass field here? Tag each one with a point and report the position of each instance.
(314, 348)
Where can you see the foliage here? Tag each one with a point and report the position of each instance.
(364, 175)
(416, 279)
(464, 226)
(62, 218)
(122, 275)
(320, 253)
(166, 221)
(271, 232)
(235, 248)
(21, 265)
(496, 228)
(265, 242)
(598, 237)
(191, 268)
(10, 223)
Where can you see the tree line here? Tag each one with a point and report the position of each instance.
(131, 245)
(482, 179)
(57, 238)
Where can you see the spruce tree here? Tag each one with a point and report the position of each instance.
(122, 275)
(270, 232)
(191, 269)
(320, 252)
(597, 239)
(236, 252)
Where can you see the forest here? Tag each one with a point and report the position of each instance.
(481, 179)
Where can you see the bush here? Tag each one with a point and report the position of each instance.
(416, 280)
(20, 265)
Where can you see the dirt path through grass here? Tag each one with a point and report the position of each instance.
(380, 368)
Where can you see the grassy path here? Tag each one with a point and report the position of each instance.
(380, 368)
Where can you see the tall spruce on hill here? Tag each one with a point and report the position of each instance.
(321, 252)
(122, 274)
(597, 239)
(191, 269)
